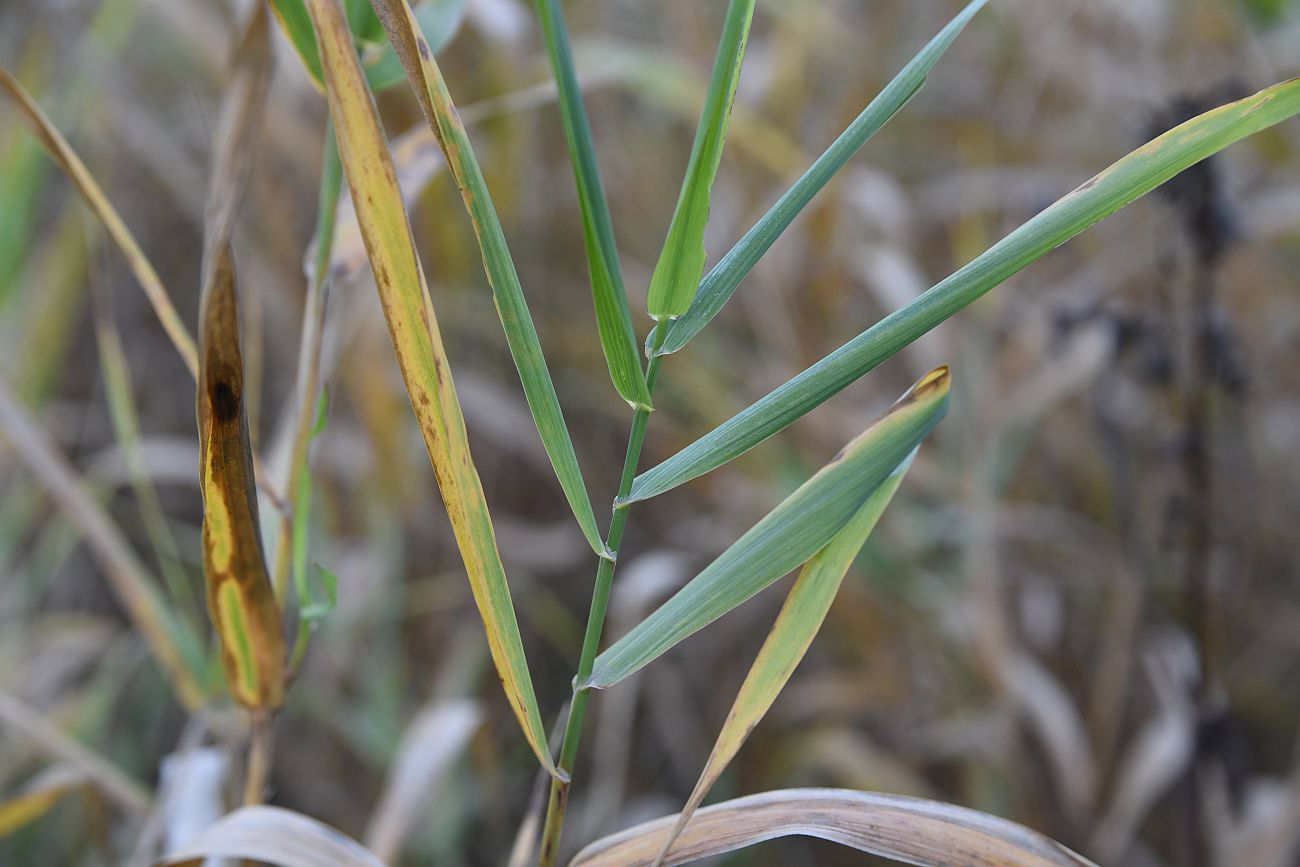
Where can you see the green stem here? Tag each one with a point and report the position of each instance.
(559, 798)
(308, 385)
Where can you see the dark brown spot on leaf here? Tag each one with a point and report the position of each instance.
(225, 402)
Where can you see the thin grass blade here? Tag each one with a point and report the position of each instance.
(272, 835)
(677, 274)
(399, 277)
(440, 112)
(787, 536)
(613, 317)
(910, 830)
(1127, 180)
(796, 626)
(66, 158)
(175, 647)
(42, 794)
(720, 283)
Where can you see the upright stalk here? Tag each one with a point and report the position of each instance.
(313, 326)
(559, 797)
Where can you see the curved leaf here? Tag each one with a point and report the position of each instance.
(1127, 180)
(788, 535)
(240, 600)
(273, 835)
(910, 830)
(681, 263)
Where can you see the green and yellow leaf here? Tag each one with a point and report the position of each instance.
(240, 600)
(417, 343)
(787, 536)
(796, 626)
(521, 336)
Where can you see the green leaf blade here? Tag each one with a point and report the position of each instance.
(800, 620)
(681, 263)
(613, 317)
(787, 536)
(1124, 182)
(721, 282)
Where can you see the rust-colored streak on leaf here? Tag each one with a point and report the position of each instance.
(240, 601)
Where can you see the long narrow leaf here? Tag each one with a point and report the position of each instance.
(720, 283)
(613, 318)
(681, 263)
(798, 623)
(417, 342)
(63, 154)
(788, 535)
(435, 101)
(1127, 180)
(910, 830)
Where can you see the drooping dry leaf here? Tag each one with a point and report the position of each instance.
(275, 836)
(910, 830)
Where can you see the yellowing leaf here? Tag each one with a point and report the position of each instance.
(435, 101)
(240, 601)
(417, 342)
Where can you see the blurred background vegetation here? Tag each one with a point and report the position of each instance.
(1082, 608)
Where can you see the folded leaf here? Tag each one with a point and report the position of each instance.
(613, 318)
(720, 283)
(521, 336)
(240, 601)
(798, 623)
(681, 263)
(1127, 180)
(417, 342)
(789, 535)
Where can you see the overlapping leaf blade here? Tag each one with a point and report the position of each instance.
(720, 283)
(800, 619)
(613, 318)
(521, 336)
(417, 342)
(681, 263)
(439, 20)
(789, 535)
(1127, 180)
